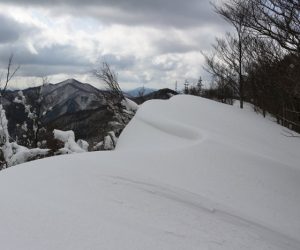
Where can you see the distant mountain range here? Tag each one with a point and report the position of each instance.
(139, 91)
(72, 105)
(163, 94)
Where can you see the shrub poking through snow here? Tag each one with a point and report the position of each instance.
(110, 141)
(83, 145)
(70, 146)
(122, 108)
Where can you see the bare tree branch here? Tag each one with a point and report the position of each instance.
(10, 73)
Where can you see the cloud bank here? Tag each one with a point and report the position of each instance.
(152, 43)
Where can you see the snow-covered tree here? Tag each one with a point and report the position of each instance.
(32, 129)
(12, 153)
(5, 145)
(70, 146)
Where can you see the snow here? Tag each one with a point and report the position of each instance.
(83, 144)
(98, 146)
(109, 141)
(6, 147)
(187, 173)
(23, 154)
(130, 105)
(70, 146)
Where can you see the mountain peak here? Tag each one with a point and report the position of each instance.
(69, 81)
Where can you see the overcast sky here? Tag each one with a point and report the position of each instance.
(148, 42)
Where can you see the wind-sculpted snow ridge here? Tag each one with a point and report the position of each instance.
(230, 155)
(174, 134)
(187, 173)
(157, 131)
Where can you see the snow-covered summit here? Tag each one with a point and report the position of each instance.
(187, 173)
(83, 86)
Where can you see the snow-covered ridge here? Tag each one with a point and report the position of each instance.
(59, 95)
(76, 84)
(187, 173)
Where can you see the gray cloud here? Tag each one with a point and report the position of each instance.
(10, 30)
(175, 13)
(55, 55)
(35, 70)
(172, 32)
(119, 62)
(173, 45)
(49, 60)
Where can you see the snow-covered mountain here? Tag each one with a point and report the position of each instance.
(68, 105)
(65, 97)
(70, 96)
(187, 173)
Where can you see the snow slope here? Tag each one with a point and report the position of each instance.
(187, 173)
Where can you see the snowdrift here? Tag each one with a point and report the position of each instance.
(187, 173)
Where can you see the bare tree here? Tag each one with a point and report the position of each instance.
(38, 125)
(10, 73)
(261, 62)
(236, 15)
(113, 93)
(141, 92)
(117, 104)
(224, 65)
(277, 19)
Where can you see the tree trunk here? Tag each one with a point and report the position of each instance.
(241, 87)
